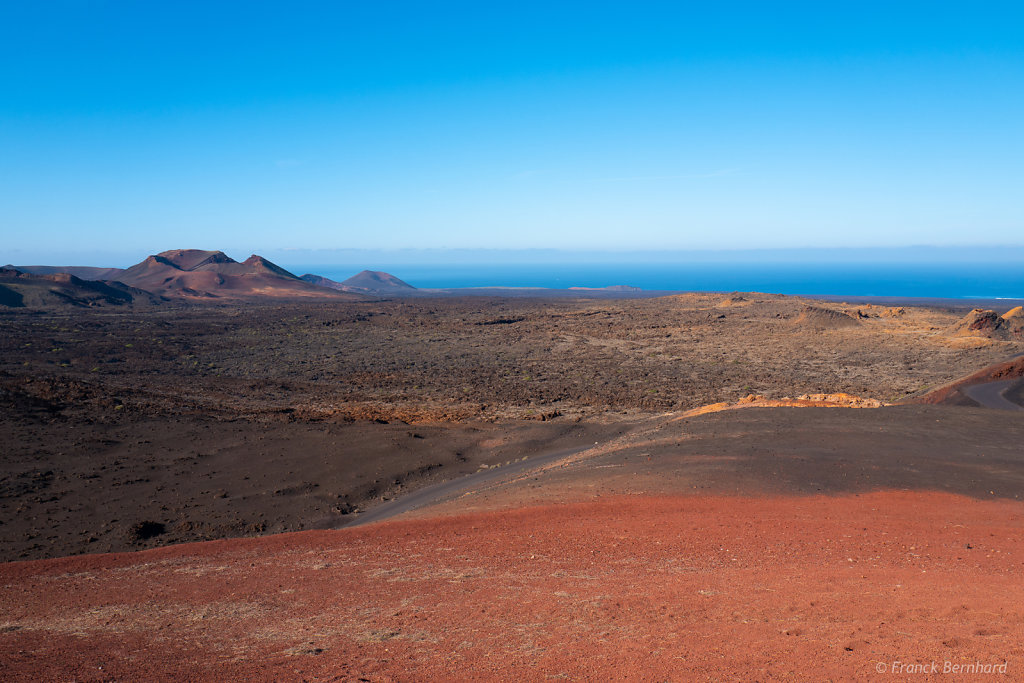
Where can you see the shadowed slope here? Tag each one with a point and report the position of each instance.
(26, 290)
(81, 272)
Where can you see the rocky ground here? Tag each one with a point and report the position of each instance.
(132, 428)
(675, 542)
(142, 482)
(479, 358)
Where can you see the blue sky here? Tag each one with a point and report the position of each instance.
(135, 127)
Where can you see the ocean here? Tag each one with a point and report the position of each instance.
(935, 280)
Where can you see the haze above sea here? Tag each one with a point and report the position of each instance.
(989, 280)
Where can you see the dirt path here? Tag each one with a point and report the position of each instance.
(757, 451)
(449, 489)
(991, 394)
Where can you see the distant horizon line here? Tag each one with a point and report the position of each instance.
(511, 256)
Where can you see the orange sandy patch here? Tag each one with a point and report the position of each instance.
(839, 400)
(629, 588)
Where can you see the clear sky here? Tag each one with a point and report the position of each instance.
(143, 126)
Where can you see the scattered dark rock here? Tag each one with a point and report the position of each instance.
(501, 321)
(144, 531)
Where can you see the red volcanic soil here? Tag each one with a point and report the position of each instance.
(781, 588)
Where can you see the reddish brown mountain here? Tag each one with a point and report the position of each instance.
(365, 282)
(375, 281)
(198, 274)
(28, 290)
(321, 281)
(81, 272)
